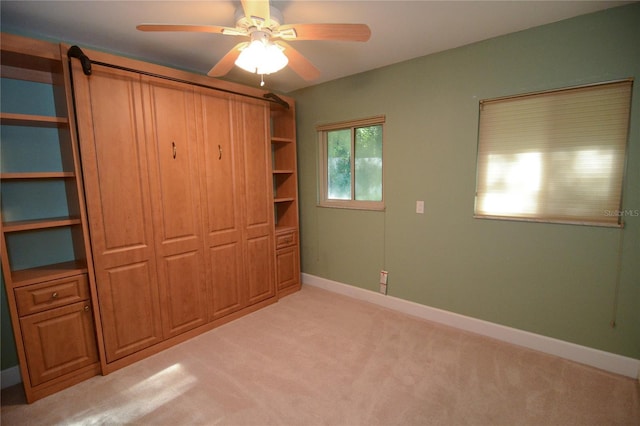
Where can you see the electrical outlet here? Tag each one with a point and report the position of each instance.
(383, 281)
(420, 207)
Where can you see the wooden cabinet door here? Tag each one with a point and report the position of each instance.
(58, 341)
(287, 267)
(221, 193)
(174, 178)
(257, 189)
(114, 162)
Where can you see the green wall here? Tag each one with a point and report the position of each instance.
(551, 279)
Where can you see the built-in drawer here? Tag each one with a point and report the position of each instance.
(51, 294)
(286, 239)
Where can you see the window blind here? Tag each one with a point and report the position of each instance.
(554, 156)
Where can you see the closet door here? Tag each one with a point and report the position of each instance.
(174, 178)
(253, 130)
(223, 213)
(114, 163)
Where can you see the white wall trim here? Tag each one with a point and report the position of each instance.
(607, 361)
(10, 376)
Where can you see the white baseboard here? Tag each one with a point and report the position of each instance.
(593, 357)
(10, 376)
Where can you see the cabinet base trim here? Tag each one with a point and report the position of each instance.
(286, 291)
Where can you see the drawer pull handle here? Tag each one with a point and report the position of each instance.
(175, 151)
(54, 295)
(86, 308)
(219, 152)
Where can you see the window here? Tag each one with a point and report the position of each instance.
(351, 164)
(555, 156)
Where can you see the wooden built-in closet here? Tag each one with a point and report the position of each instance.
(188, 195)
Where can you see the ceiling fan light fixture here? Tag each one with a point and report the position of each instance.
(262, 57)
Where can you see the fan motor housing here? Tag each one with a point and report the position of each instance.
(275, 20)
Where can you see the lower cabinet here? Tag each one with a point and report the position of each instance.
(57, 328)
(287, 262)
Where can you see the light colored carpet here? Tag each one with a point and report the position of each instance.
(317, 358)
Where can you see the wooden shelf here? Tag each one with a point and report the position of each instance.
(277, 139)
(282, 172)
(12, 119)
(284, 200)
(38, 175)
(29, 225)
(48, 272)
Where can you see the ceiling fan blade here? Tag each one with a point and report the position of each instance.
(187, 28)
(225, 64)
(257, 9)
(298, 63)
(342, 32)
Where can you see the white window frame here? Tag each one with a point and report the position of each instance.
(323, 199)
(554, 128)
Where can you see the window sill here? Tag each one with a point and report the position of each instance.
(353, 205)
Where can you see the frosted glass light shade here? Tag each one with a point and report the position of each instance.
(262, 58)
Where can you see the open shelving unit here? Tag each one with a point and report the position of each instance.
(43, 232)
(285, 193)
(16, 218)
(36, 68)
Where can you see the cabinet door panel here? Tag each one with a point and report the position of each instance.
(221, 192)
(287, 267)
(114, 161)
(115, 170)
(258, 208)
(59, 341)
(129, 305)
(220, 165)
(174, 180)
(183, 309)
(174, 161)
(260, 269)
(258, 185)
(227, 294)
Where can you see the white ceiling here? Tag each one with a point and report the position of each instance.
(401, 30)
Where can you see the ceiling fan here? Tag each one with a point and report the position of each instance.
(263, 24)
